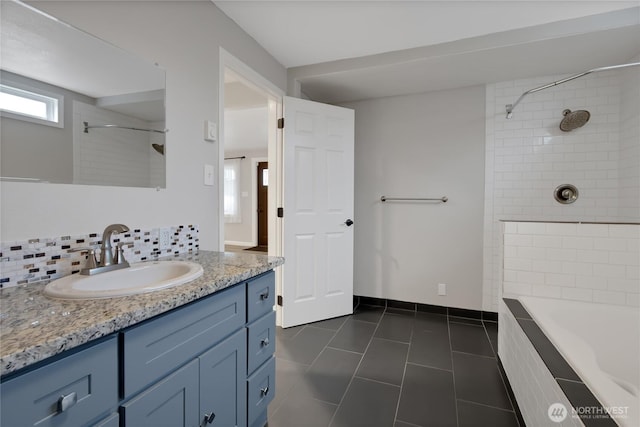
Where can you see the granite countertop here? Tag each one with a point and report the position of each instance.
(34, 326)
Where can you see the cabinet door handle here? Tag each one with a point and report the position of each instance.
(264, 342)
(68, 401)
(208, 419)
(264, 295)
(264, 391)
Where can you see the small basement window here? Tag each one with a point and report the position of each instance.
(32, 105)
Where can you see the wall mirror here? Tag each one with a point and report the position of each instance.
(75, 109)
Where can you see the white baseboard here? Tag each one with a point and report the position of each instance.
(236, 243)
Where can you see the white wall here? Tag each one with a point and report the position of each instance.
(528, 156)
(242, 232)
(424, 145)
(184, 38)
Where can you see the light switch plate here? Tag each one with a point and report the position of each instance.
(209, 175)
(210, 131)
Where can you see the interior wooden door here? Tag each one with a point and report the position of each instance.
(263, 193)
(318, 170)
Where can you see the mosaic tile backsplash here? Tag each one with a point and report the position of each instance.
(39, 259)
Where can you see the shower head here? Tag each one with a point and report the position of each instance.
(159, 148)
(574, 119)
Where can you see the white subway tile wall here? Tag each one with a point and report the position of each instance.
(115, 156)
(39, 259)
(532, 383)
(528, 156)
(585, 262)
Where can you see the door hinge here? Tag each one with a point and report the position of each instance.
(280, 212)
(281, 123)
(280, 300)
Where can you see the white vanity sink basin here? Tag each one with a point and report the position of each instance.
(139, 278)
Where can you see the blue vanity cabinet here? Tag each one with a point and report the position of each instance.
(71, 391)
(158, 346)
(261, 365)
(207, 363)
(209, 335)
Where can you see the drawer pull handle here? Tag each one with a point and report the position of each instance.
(264, 391)
(264, 342)
(68, 401)
(208, 419)
(264, 295)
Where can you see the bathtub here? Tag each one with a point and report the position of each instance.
(601, 343)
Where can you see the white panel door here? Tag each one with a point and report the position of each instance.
(318, 212)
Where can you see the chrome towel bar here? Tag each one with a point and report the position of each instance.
(442, 199)
(87, 127)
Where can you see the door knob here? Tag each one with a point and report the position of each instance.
(349, 222)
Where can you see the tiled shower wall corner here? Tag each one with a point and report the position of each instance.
(585, 262)
(528, 156)
(39, 259)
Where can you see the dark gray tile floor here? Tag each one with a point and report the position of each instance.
(390, 368)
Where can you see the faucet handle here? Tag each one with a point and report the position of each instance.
(91, 256)
(119, 259)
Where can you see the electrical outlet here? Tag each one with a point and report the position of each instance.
(164, 238)
(442, 289)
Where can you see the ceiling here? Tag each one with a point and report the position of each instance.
(245, 116)
(343, 51)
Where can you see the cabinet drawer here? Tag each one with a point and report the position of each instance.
(260, 296)
(262, 341)
(88, 378)
(261, 387)
(154, 349)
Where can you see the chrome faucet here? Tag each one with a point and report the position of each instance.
(106, 251)
(108, 260)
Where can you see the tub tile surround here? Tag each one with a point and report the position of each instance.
(585, 262)
(539, 374)
(39, 259)
(34, 327)
(527, 156)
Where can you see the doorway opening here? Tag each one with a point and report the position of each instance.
(249, 108)
(262, 194)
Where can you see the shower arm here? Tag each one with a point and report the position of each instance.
(510, 107)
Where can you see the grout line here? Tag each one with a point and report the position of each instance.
(396, 341)
(409, 424)
(355, 371)
(487, 406)
(453, 375)
(342, 349)
(404, 372)
(428, 366)
(480, 325)
(474, 354)
(376, 381)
